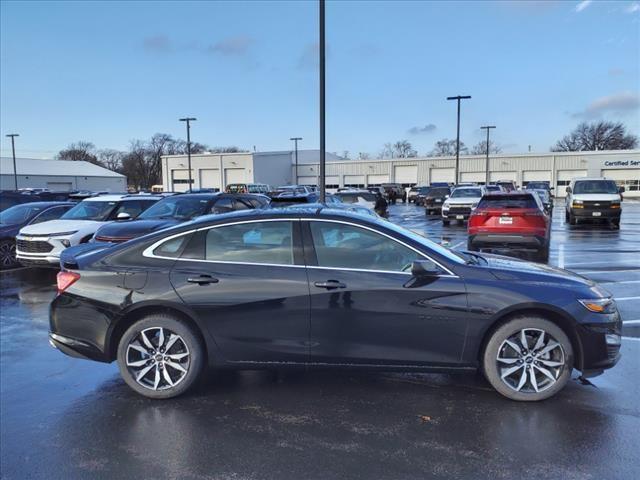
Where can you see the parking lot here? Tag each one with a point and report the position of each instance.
(67, 418)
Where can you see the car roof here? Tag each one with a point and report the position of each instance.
(46, 204)
(513, 193)
(468, 187)
(591, 179)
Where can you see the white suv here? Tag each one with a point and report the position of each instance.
(460, 203)
(590, 199)
(42, 244)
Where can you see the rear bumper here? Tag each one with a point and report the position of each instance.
(522, 241)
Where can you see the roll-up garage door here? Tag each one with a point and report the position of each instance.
(234, 175)
(442, 175)
(628, 178)
(406, 174)
(535, 176)
(564, 179)
(60, 186)
(356, 181)
(495, 176)
(332, 183)
(210, 178)
(377, 180)
(475, 177)
(180, 180)
(308, 180)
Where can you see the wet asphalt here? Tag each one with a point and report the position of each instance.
(67, 418)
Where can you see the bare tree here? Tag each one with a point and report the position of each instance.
(79, 152)
(111, 159)
(600, 135)
(363, 156)
(230, 149)
(345, 154)
(447, 148)
(480, 148)
(387, 151)
(404, 149)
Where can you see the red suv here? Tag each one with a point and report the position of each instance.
(514, 220)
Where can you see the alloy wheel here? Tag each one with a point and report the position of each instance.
(7, 254)
(530, 361)
(157, 358)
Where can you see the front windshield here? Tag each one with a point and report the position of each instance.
(537, 185)
(596, 186)
(18, 214)
(90, 210)
(466, 193)
(438, 192)
(430, 244)
(180, 208)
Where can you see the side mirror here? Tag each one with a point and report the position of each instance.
(446, 196)
(568, 190)
(621, 190)
(424, 268)
(123, 216)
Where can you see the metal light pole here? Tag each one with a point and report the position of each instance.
(188, 120)
(322, 132)
(487, 128)
(295, 139)
(13, 151)
(458, 98)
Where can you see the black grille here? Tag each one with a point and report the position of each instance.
(596, 205)
(460, 210)
(33, 247)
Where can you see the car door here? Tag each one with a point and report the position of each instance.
(247, 282)
(366, 308)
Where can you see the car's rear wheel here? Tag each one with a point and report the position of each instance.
(8, 254)
(160, 356)
(528, 358)
(543, 254)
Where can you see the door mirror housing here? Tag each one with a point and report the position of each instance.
(123, 216)
(425, 268)
(568, 190)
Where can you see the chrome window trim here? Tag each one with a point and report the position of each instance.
(148, 252)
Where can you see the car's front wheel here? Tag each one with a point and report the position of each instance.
(160, 356)
(528, 358)
(8, 254)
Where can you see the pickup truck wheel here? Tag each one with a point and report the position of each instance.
(572, 220)
(566, 216)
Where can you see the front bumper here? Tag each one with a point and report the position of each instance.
(595, 214)
(520, 241)
(456, 213)
(40, 250)
(599, 348)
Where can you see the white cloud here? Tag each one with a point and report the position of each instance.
(633, 7)
(582, 5)
(618, 103)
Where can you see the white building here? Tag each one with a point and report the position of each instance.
(217, 170)
(558, 168)
(59, 175)
(277, 168)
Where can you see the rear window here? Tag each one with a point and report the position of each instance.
(356, 197)
(511, 201)
(438, 192)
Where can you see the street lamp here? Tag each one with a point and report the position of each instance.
(188, 120)
(458, 98)
(487, 128)
(295, 139)
(13, 151)
(322, 103)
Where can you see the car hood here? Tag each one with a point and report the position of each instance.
(462, 201)
(513, 269)
(135, 228)
(59, 226)
(596, 197)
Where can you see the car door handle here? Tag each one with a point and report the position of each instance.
(202, 280)
(329, 284)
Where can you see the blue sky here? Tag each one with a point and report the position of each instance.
(116, 71)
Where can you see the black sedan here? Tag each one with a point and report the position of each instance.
(14, 218)
(323, 288)
(177, 209)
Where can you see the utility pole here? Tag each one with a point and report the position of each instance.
(295, 139)
(188, 120)
(322, 103)
(487, 128)
(13, 151)
(458, 98)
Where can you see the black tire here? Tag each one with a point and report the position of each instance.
(445, 223)
(497, 345)
(572, 220)
(567, 218)
(427, 212)
(615, 224)
(193, 363)
(543, 254)
(8, 254)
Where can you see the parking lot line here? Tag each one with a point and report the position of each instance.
(607, 271)
(619, 283)
(635, 339)
(622, 299)
(631, 322)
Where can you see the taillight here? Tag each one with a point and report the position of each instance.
(66, 279)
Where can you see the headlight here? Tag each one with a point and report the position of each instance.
(445, 206)
(615, 204)
(474, 205)
(599, 305)
(577, 204)
(65, 242)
